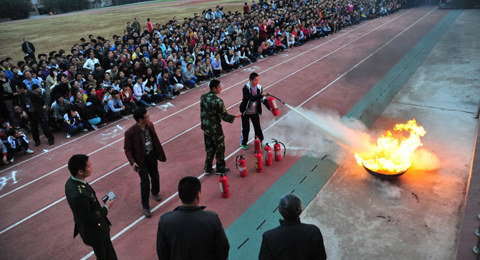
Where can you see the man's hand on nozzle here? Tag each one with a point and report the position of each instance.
(238, 115)
(265, 94)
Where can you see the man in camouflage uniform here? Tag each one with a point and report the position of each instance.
(212, 112)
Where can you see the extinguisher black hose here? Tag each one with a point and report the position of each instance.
(268, 94)
(284, 149)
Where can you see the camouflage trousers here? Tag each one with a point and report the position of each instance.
(215, 147)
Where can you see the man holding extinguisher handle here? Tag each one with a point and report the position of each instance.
(251, 109)
(212, 112)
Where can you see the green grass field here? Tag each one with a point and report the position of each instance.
(62, 31)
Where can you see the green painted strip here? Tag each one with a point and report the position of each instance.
(309, 174)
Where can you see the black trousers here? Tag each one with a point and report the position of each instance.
(105, 251)
(36, 118)
(149, 171)
(255, 118)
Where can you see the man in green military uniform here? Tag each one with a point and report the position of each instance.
(91, 220)
(212, 112)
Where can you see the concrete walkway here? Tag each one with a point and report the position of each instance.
(419, 215)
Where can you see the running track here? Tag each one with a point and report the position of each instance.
(331, 73)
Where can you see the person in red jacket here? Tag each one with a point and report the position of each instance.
(143, 149)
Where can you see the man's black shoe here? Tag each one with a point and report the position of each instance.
(157, 197)
(147, 213)
(37, 143)
(220, 172)
(51, 141)
(208, 172)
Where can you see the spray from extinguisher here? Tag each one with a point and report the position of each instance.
(258, 161)
(241, 165)
(224, 187)
(278, 150)
(268, 155)
(273, 105)
(257, 144)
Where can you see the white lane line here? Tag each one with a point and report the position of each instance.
(171, 139)
(274, 123)
(197, 102)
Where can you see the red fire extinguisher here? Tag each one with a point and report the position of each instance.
(224, 188)
(257, 144)
(241, 165)
(268, 155)
(258, 161)
(278, 150)
(273, 105)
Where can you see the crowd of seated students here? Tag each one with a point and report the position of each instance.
(102, 79)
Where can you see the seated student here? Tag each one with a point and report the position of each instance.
(20, 118)
(141, 97)
(17, 142)
(72, 122)
(164, 85)
(242, 56)
(217, 66)
(94, 112)
(151, 88)
(114, 107)
(188, 76)
(177, 82)
(127, 97)
(279, 46)
(59, 108)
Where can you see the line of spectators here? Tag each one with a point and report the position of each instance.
(102, 79)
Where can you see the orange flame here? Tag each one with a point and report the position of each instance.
(393, 155)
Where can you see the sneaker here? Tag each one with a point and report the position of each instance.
(5, 160)
(172, 97)
(152, 104)
(11, 160)
(29, 151)
(147, 213)
(224, 171)
(95, 128)
(69, 136)
(244, 147)
(85, 130)
(157, 197)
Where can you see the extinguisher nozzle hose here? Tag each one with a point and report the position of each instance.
(268, 94)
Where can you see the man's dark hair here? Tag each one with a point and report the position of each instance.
(76, 163)
(188, 189)
(290, 207)
(139, 113)
(253, 75)
(214, 83)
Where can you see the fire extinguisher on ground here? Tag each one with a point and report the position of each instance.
(224, 187)
(257, 144)
(278, 150)
(258, 161)
(241, 165)
(268, 155)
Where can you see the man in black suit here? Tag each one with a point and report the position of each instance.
(90, 218)
(292, 239)
(189, 231)
(32, 103)
(143, 148)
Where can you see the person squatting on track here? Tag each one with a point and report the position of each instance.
(189, 231)
(251, 109)
(212, 112)
(90, 218)
(143, 149)
(292, 239)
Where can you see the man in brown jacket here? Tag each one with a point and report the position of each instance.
(143, 149)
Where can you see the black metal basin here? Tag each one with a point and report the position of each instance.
(384, 176)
